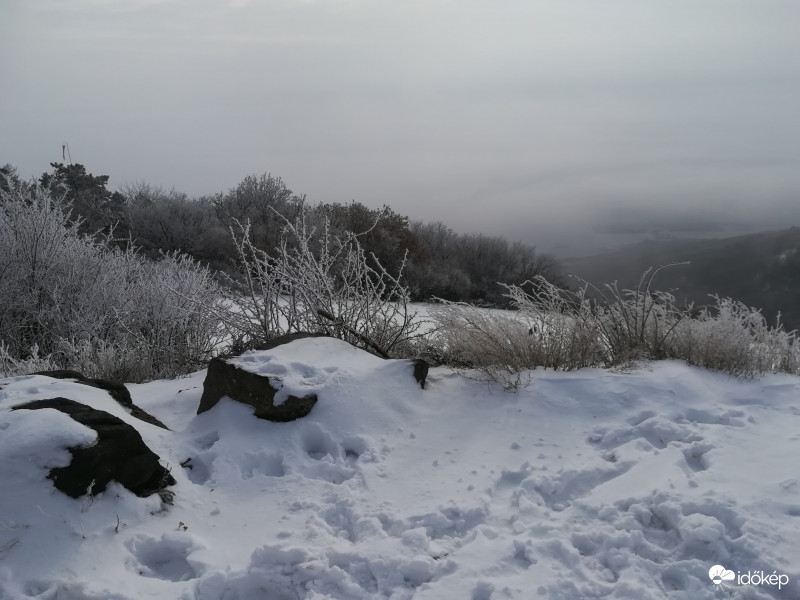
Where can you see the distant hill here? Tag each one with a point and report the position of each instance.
(760, 269)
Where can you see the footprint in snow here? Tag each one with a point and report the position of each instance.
(731, 418)
(269, 464)
(206, 441)
(557, 491)
(305, 370)
(198, 469)
(333, 461)
(166, 557)
(695, 456)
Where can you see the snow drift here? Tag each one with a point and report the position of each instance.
(589, 484)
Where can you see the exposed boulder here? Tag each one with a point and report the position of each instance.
(228, 377)
(119, 454)
(117, 391)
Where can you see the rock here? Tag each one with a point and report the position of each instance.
(258, 390)
(285, 339)
(119, 454)
(117, 391)
(420, 371)
(225, 379)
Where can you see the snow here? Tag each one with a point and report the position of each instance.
(589, 484)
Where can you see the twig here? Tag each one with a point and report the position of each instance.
(9, 545)
(326, 315)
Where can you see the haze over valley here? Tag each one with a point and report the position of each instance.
(560, 125)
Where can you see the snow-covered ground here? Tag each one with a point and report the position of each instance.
(590, 484)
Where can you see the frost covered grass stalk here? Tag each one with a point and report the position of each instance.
(71, 301)
(318, 282)
(631, 323)
(12, 367)
(545, 330)
(735, 339)
(495, 343)
(561, 329)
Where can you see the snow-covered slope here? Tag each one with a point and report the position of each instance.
(591, 484)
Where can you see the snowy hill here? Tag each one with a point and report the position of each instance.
(589, 484)
(759, 269)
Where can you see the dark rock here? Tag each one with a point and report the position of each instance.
(285, 339)
(117, 391)
(420, 371)
(269, 344)
(225, 379)
(119, 454)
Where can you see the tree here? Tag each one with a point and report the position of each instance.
(99, 210)
(469, 267)
(8, 178)
(265, 202)
(382, 232)
(169, 221)
(434, 270)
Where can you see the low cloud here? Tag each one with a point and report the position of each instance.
(520, 118)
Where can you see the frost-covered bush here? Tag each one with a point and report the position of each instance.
(547, 329)
(85, 305)
(318, 282)
(494, 342)
(564, 329)
(12, 367)
(735, 339)
(560, 329)
(562, 324)
(631, 324)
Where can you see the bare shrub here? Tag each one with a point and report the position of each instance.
(318, 282)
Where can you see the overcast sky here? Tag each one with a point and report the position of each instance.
(512, 116)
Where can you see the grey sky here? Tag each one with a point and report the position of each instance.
(513, 116)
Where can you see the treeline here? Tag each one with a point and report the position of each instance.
(111, 284)
(435, 260)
